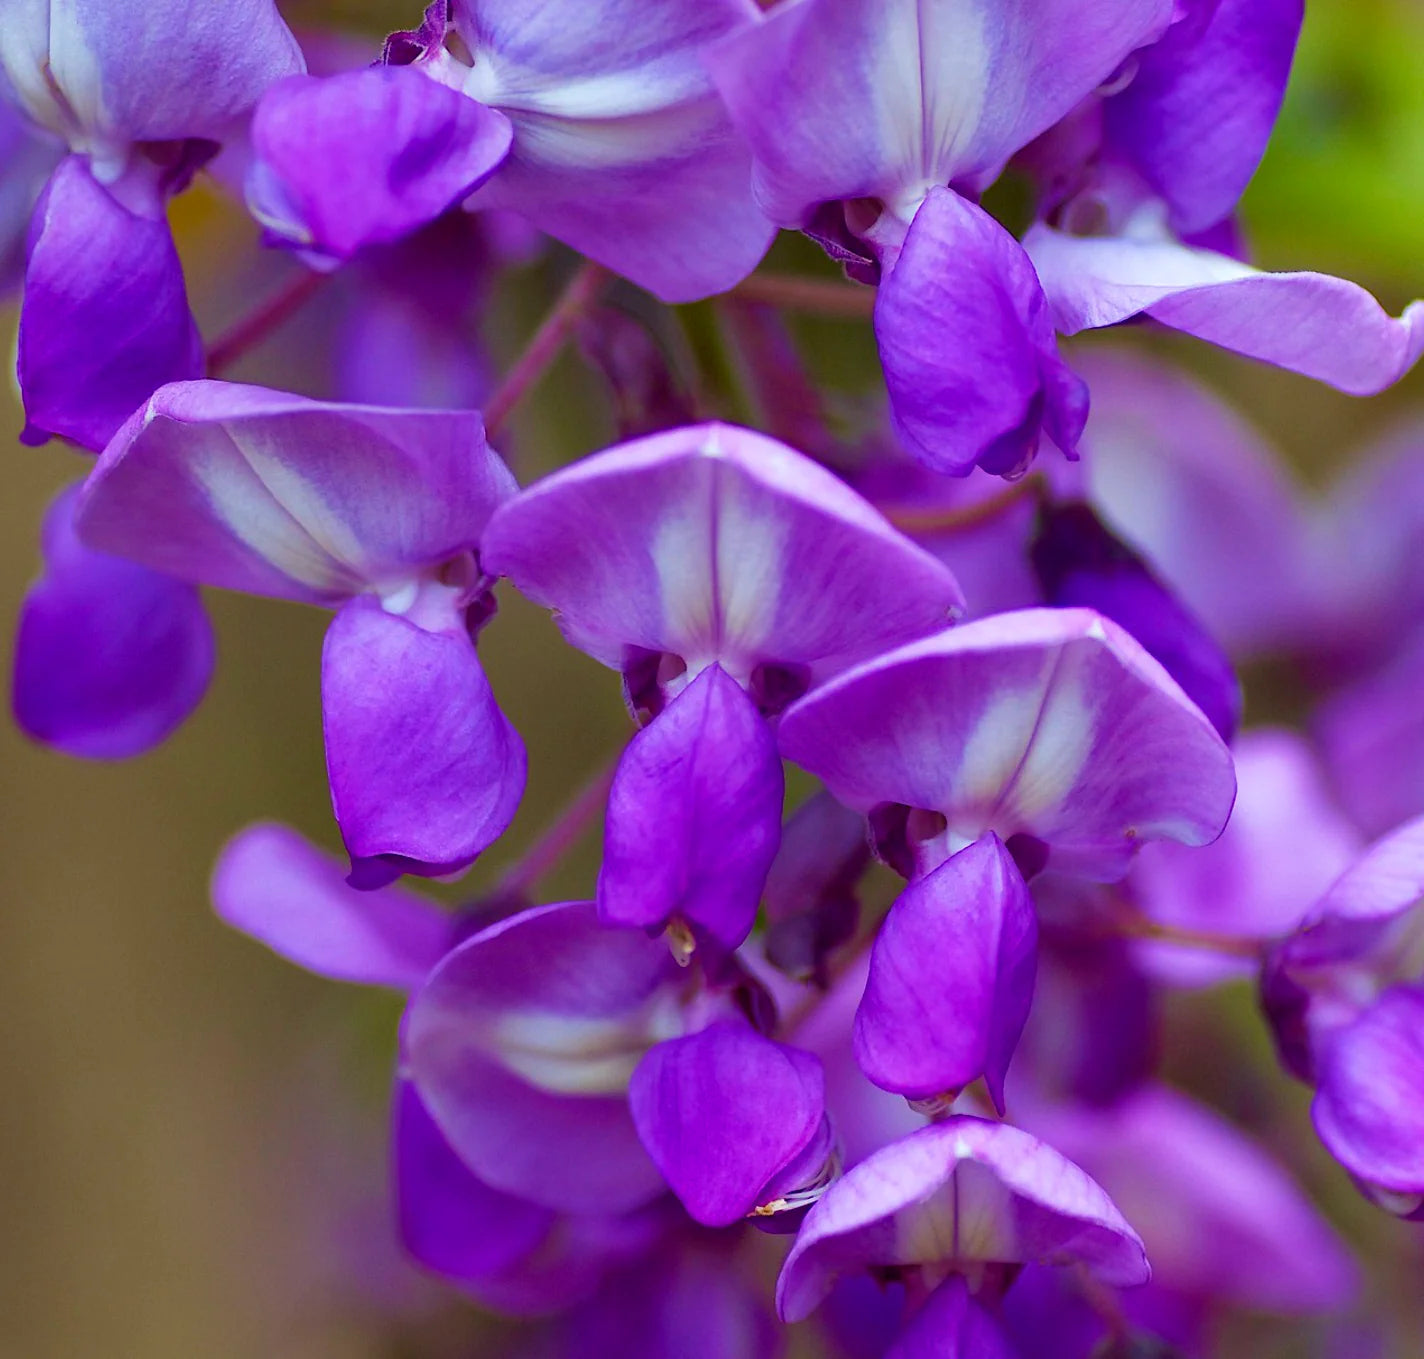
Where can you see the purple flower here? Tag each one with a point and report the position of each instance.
(110, 657)
(1053, 730)
(875, 125)
(1344, 995)
(374, 512)
(27, 156)
(596, 122)
(142, 96)
(956, 1197)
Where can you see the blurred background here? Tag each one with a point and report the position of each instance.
(191, 1139)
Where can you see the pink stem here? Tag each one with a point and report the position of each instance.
(253, 329)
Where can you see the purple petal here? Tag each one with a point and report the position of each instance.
(1369, 1109)
(621, 147)
(1325, 328)
(105, 316)
(1051, 723)
(426, 772)
(951, 1325)
(27, 159)
(1081, 564)
(1197, 114)
(1222, 1220)
(450, 1221)
(522, 1043)
(273, 885)
(951, 978)
(110, 658)
(971, 363)
(1285, 844)
(278, 495)
(694, 816)
(820, 89)
(163, 71)
(1206, 500)
(724, 1111)
(959, 1192)
(714, 543)
(366, 157)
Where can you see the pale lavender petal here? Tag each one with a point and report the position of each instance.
(885, 98)
(621, 147)
(694, 816)
(1322, 327)
(1184, 479)
(1286, 842)
(951, 1325)
(451, 1222)
(1369, 1109)
(723, 1112)
(105, 315)
(959, 1192)
(426, 772)
(714, 543)
(276, 494)
(951, 978)
(366, 157)
(27, 159)
(1221, 1219)
(1051, 723)
(1196, 116)
(106, 74)
(522, 1043)
(967, 344)
(110, 658)
(275, 886)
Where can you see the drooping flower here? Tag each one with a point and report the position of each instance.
(722, 573)
(595, 122)
(1048, 733)
(376, 513)
(962, 1197)
(887, 169)
(143, 96)
(1344, 993)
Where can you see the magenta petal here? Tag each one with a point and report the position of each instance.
(425, 769)
(1369, 1108)
(366, 157)
(110, 657)
(951, 978)
(716, 543)
(1324, 328)
(951, 1325)
(275, 494)
(273, 885)
(694, 816)
(105, 316)
(1051, 723)
(956, 1193)
(724, 1111)
(450, 1221)
(522, 1043)
(970, 358)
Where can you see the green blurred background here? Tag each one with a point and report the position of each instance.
(191, 1133)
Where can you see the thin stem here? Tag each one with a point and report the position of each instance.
(254, 328)
(818, 296)
(1140, 927)
(581, 293)
(545, 854)
(915, 520)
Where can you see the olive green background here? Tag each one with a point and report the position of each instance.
(190, 1130)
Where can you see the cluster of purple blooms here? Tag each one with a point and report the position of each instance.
(1007, 661)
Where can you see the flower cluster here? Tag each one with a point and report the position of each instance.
(995, 638)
